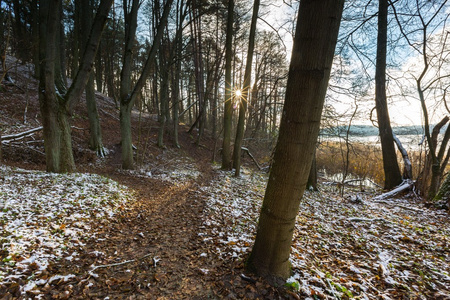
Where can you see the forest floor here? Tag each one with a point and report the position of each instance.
(177, 227)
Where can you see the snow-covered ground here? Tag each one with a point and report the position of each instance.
(176, 170)
(343, 247)
(44, 217)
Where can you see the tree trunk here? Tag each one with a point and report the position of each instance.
(126, 137)
(129, 95)
(55, 108)
(177, 50)
(1, 153)
(314, 43)
(245, 93)
(95, 131)
(176, 98)
(392, 174)
(196, 31)
(99, 63)
(35, 37)
(60, 62)
(444, 191)
(312, 177)
(20, 39)
(227, 114)
(434, 161)
(164, 98)
(57, 140)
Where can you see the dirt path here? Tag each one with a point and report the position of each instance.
(159, 232)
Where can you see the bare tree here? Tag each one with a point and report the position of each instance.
(424, 19)
(227, 115)
(129, 94)
(245, 92)
(392, 174)
(54, 106)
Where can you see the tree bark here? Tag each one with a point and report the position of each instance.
(245, 93)
(314, 43)
(392, 174)
(435, 161)
(312, 177)
(55, 108)
(95, 131)
(164, 96)
(129, 95)
(227, 114)
(60, 62)
(444, 191)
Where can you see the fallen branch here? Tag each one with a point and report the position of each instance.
(407, 173)
(367, 220)
(251, 156)
(121, 263)
(399, 205)
(407, 184)
(21, 134)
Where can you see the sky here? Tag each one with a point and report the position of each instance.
(404, 109)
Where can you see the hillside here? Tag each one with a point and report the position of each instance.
(177, 227)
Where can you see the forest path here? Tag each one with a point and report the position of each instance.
(159, 231)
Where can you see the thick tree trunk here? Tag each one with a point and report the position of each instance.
(57, 139)
(227, 114)
(392, 174)
(245, 93)
(55, 109)
(314, 43)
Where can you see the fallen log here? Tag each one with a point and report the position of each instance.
(407, 184)
(407, 173)
(20, 135)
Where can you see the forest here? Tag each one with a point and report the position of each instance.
(205, 149)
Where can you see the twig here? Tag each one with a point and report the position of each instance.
(21, 134)
(367, 220)
(399, 205)
(119, 264)
(332, 288)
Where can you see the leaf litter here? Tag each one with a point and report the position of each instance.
(46, 217)
(342, 248)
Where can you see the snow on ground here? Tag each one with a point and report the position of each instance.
(176, 171)
(343, 247)
(44, 217)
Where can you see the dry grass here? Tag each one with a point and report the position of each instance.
(365, 160)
